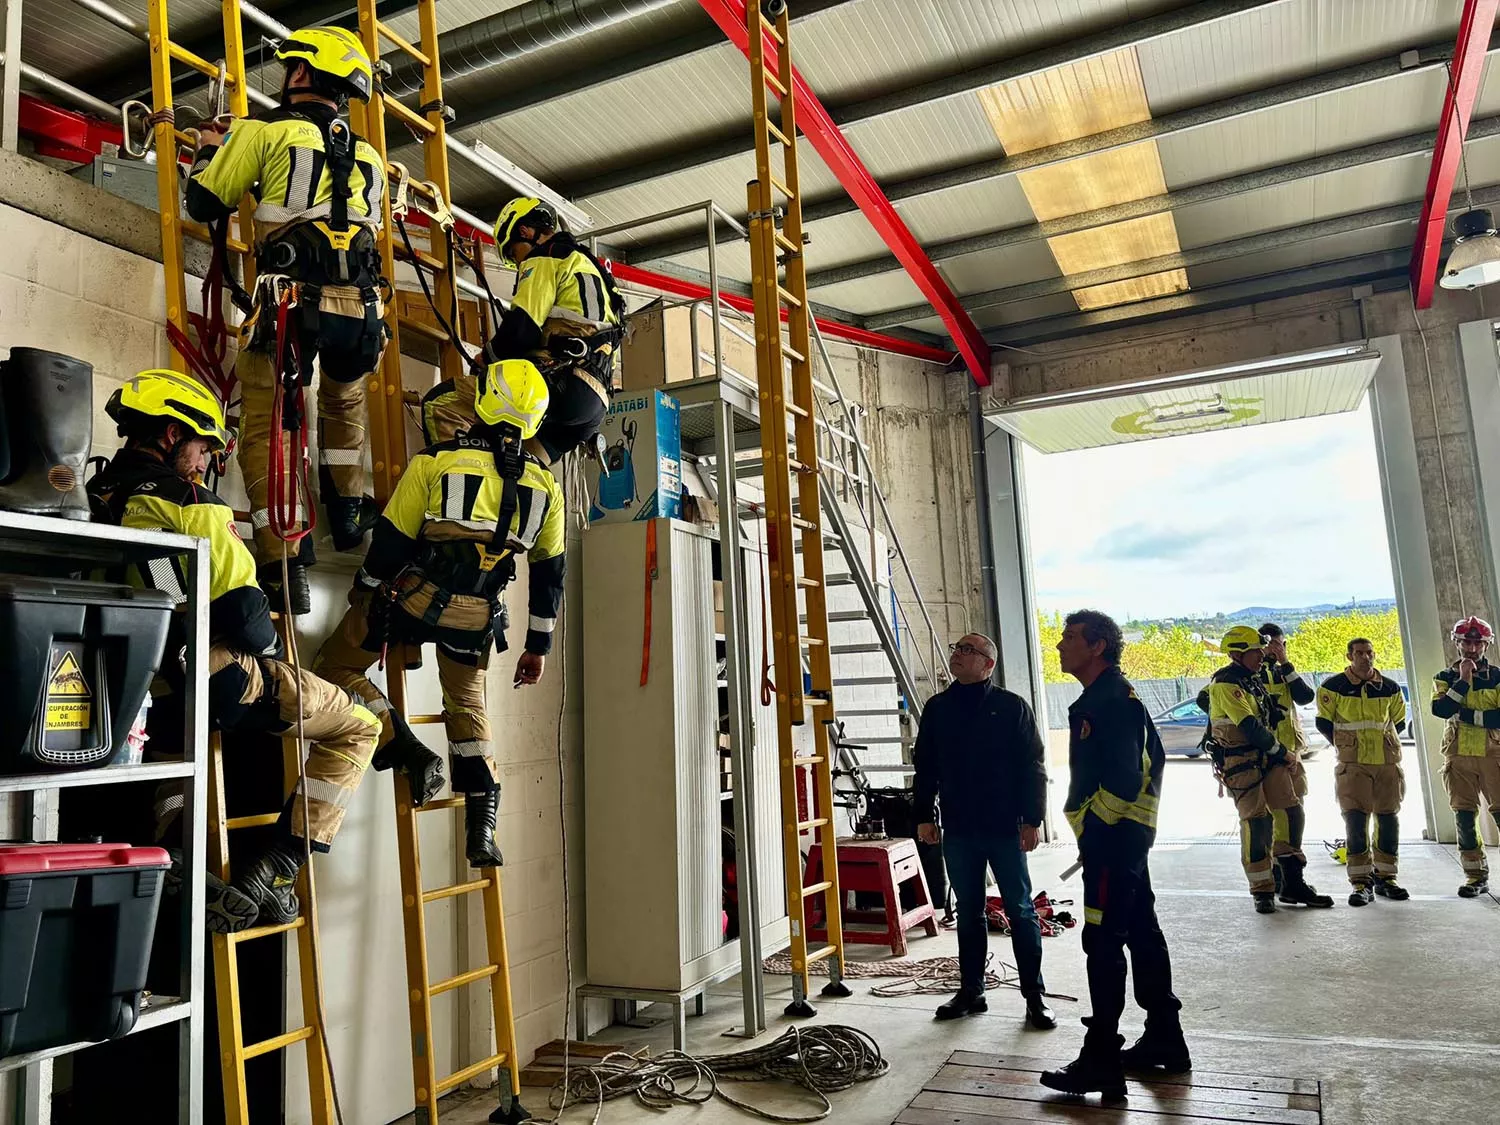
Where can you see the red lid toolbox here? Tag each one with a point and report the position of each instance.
(76, 923)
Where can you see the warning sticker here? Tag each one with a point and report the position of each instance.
(69, 700)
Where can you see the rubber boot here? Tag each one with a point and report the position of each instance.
(300, 600)
(269, 880)
(1480, 885)
(348, 519)
(1295, 889)
(1388, 888)
(1158, 1049)
(1095, 1071)
(49, 428)
(481, 811)
(1265, 902)
(414, 758)
(968, 1002)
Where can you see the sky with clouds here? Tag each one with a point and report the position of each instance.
(1281, 515)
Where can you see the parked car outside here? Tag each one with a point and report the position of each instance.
(1181, 727)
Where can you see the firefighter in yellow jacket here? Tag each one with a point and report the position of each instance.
(1467, 695)
(439, 561)
(318, 191)
(1363, 714)
(1252, 764)
(172, 425)
(566, 316)
(1288, 690)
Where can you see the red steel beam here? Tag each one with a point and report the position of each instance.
(677, 287)
(814, 122)
(1464, 74)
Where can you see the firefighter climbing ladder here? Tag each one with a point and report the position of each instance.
(388, 449)
(789, 453)
(234, 1052)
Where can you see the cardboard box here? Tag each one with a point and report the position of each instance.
(640, 475)
(658, 348)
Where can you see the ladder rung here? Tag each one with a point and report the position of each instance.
(805, 525)
(787, 298)
(793, 408)
(434, 264)
(418, 720)
(266, 1046)
(809, 583)
(462, 979)
(445, 803)
(838, 580)
(252, 821)
(201, 65)
(819, 954)
(267, 931)
(773, 80)
(797, 466)
(781, 187)
(775, 131)
(816, 888)
(816, 701)
(420, 124)
(813, 642)
(845, 615)
(815, 822)
(455, 890)
(850, 650)
(396, 40)
(770, 29)
(871, 713)
(809, 760)
(787, 244)
(793, 354)
(436, 335)
(458, 1078)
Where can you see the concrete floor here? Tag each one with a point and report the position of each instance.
(1392, 1006)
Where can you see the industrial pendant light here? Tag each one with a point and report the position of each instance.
(1475, 257)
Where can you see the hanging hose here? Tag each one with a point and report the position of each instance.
(285, 486)
(307, 854)
(821, 1060)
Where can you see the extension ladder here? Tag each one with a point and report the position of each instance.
(234, 1052)
(388, 446)
(789, 457)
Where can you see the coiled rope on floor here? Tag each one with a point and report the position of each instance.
(821, 1060)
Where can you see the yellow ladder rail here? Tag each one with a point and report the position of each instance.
(789, 456)
(389, 460)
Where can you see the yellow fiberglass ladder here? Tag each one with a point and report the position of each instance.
(229, 76)
(789, 456)
(388, 452)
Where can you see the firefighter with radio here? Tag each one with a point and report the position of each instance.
(1288, 690)
(1467, 695)
(1252, 765)
(173, 426)
(566, 316)
(1362, 713)
(318, 191)
(439, 561)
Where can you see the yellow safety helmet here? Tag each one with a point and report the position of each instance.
(512, 392)
(517, 209)
(1242, 638)
(336, 53)
(170, 395)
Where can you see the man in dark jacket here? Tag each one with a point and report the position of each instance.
(1116, 759)
(978, 751)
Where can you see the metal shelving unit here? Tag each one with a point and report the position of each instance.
(30, 542)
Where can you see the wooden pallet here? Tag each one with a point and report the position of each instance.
(977, 1088)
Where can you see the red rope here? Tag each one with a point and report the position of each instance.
(284, 483)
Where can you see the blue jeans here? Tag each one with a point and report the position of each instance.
(967, 858)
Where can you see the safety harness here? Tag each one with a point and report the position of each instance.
(1232, 778)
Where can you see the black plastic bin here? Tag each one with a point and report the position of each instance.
(76, 922)
(76, 661)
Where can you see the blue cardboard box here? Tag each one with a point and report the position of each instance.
(640, 475)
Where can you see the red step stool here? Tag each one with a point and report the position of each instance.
(881, 867)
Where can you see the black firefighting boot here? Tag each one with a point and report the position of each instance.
(481, 811)
(1265, 902)
(269, 880)
(228, 910)
(296, 599)
(1388, 888)
(348, 517)
(1361, 895)
(1097, 1070)
(1158, 1048)
(1476, 886)
(414, 758)
(48, 429)
(1295, 889)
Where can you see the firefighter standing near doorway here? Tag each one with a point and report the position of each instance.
(172, 426)
(566, 316)
(440, 558)
(1467, 695)
(1251, 763)
(318, 190)
(1288, 690)
(1363, 714)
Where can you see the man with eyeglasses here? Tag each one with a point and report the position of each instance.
(980, 754)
